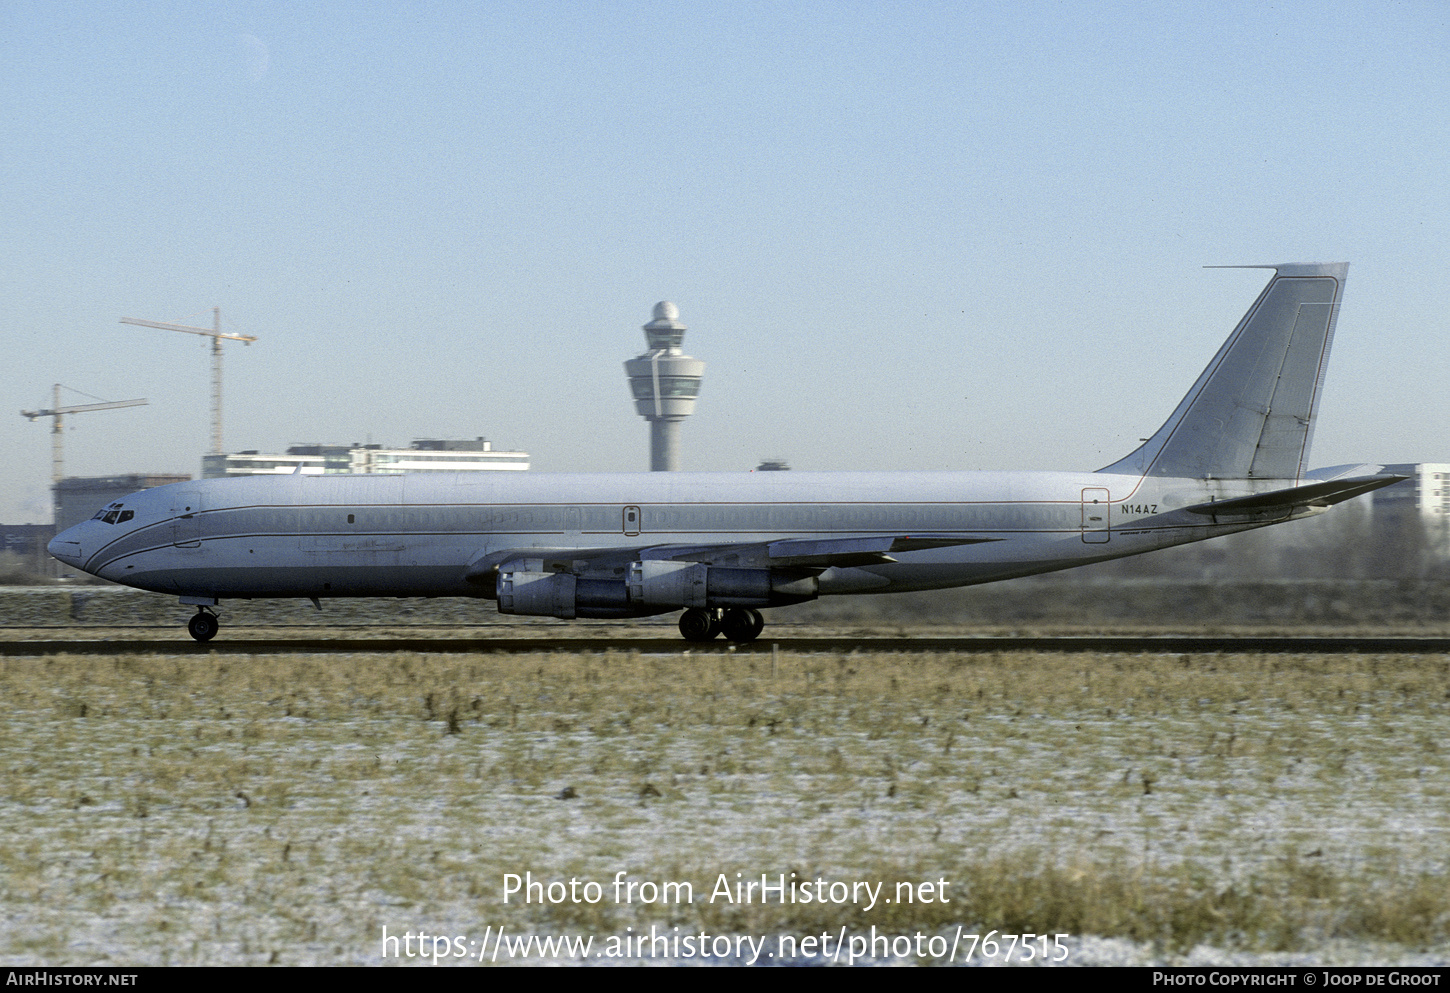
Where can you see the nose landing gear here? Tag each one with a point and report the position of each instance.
(737, 624)
(203, 624)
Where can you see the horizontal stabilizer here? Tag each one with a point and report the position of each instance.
(1350, 469)
(1279, 501)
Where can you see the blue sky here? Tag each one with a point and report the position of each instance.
(907, 236)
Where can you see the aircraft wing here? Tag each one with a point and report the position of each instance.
(1275, 502)
(825, 553)
(806, 554)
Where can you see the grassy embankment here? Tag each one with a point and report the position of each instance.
(167, 809)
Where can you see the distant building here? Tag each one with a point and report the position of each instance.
(314, 460)
(438, 456)
(26, 543)
(424, 455)
(77, 498)
(1424, 498)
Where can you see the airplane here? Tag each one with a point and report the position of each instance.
(724, 546)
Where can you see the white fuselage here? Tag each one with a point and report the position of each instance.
(416, 535)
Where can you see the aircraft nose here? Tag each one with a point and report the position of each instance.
(66, 547)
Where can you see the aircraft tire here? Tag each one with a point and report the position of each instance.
(741, 624)
(203, 627)
(698, 624)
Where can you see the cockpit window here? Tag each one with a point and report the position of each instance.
(114, 514)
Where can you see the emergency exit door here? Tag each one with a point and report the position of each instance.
(1096, 520)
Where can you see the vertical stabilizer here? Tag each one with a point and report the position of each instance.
(1251, 413)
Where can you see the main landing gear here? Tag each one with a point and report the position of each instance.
(203, 624)
(737, 624)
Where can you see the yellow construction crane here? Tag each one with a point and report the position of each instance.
(57, 432)
(217, 337)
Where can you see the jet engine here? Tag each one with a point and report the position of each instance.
(651, 587)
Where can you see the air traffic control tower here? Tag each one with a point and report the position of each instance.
(665, 382)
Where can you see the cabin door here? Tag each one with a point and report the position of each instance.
(185, 525)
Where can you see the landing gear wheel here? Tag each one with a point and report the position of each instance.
(741, 624)
(203, 626)
(699, 624)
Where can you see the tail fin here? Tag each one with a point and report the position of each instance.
(1251, 413)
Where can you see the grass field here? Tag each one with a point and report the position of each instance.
(288, 808)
